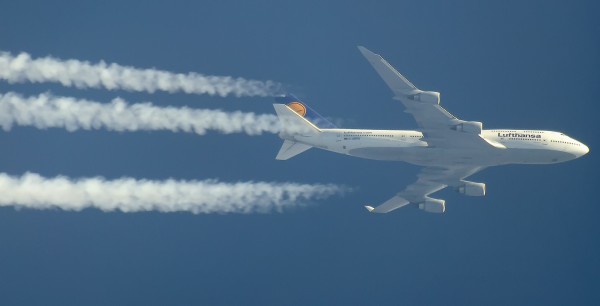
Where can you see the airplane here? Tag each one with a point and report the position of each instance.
(449, 149)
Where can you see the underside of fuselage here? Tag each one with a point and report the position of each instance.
(428, 156)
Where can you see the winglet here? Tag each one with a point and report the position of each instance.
(369, 208)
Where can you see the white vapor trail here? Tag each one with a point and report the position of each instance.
(131, 195)
(83, 74)
(48, 111)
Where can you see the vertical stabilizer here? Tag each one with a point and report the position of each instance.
(299, 124)
(292, 123)
(305, 111)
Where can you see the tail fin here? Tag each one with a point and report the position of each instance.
(293, 123)
(298, 122)
(306, 112)
(293, 126)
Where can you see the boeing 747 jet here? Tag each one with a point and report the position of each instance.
(449, 149)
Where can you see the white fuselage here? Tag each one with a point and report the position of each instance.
(506, 147)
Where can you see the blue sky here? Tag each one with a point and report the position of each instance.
(531, 240)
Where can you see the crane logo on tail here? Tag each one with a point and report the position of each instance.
(298, 108)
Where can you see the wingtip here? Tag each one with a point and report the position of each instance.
(369, 208)
(364, 50)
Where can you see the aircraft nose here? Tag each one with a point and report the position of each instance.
(582, 150)
(585, 150)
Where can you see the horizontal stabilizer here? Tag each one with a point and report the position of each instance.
(290, 149)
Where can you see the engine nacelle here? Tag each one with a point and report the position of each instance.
(427, 97)
(472, 189)
(433, 205)
(471, 127)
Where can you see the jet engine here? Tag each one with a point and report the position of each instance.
(433, 205)
(426, 97)
(472, 189)
(471, 127)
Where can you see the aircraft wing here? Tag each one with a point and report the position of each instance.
(422, 105)
(439, 127)
(430, 180)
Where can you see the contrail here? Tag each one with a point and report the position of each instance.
(48, 111)
(131, 195)
(83, 74)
